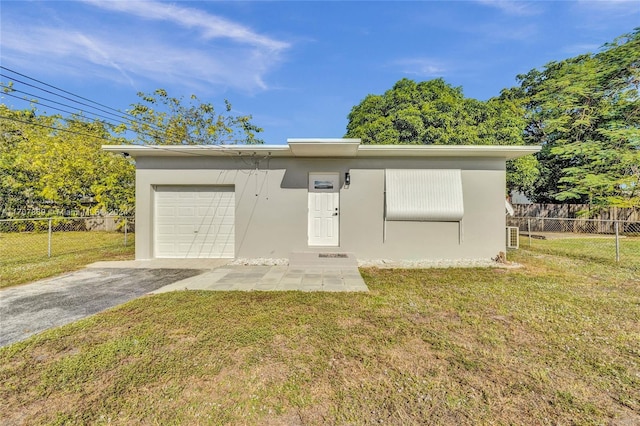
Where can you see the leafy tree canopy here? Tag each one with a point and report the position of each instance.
(434, 112)
(585, 112)
(50, 163)
(164, 120)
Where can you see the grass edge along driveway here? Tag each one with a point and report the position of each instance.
(554, 342)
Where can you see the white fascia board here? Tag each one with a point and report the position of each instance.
(199, 150)
(324, 140)
(507, 152)
(324, 147)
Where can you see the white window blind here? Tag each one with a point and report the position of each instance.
(424, 195)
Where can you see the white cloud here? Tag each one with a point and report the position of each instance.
(114, 57)
(600, 15)
(210, 26)
(218, 53)
(512, 7)
(423, 67)
(613, 6)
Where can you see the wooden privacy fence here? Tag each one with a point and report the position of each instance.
(575, 211)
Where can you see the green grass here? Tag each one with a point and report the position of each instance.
(554, 342)
(24, 256)
(600, 249)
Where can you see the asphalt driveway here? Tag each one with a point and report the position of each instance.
(31, 308)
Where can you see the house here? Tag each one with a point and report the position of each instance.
(320, 195)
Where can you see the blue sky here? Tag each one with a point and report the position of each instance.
(297, 66)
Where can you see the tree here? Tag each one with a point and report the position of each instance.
(164, 120)
(49, 163)
(16, 129)
(585, 112)
(433, 112)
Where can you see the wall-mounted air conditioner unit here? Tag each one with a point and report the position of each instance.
(513, 237)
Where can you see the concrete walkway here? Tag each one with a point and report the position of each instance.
(272, 278)
(305, 272)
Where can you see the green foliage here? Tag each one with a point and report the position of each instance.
(51, 163)
(433, 112)
(522, 173)
(585, 111)
(164, 120)
(47, 169)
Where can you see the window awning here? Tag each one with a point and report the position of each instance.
(424, 195)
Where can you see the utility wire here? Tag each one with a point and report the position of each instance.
(153, 136)
(55, 128)
(225, 149)
(119, 115)
(63, 97)
(37, 99)
(125, 114)
(46, 105)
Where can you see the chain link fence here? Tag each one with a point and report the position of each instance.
(26, 240)
(609, 241)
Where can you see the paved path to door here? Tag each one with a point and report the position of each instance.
(305, 272)
(272, 278)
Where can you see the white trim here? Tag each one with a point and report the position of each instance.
(326, 148)
(323, 229)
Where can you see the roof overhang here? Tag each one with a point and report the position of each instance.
(326, 148)
(507, 152)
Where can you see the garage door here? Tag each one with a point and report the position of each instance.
(194, 221)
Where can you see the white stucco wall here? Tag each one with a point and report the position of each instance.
(271, 205)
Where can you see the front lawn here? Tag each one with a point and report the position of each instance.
(600, 248)
(24, 255)
(555, 342)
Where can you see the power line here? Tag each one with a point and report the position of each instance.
(46, 105)
(56, 94)
(55, 128)
(37, 99)
(130, 118)
(225, 149)
(153, 136)
(80, 110)
(120, 115)
(133, 117)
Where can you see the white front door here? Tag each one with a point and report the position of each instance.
(324, 209)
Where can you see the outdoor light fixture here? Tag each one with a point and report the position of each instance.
(347, 178)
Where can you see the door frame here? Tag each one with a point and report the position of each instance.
(318, 183)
